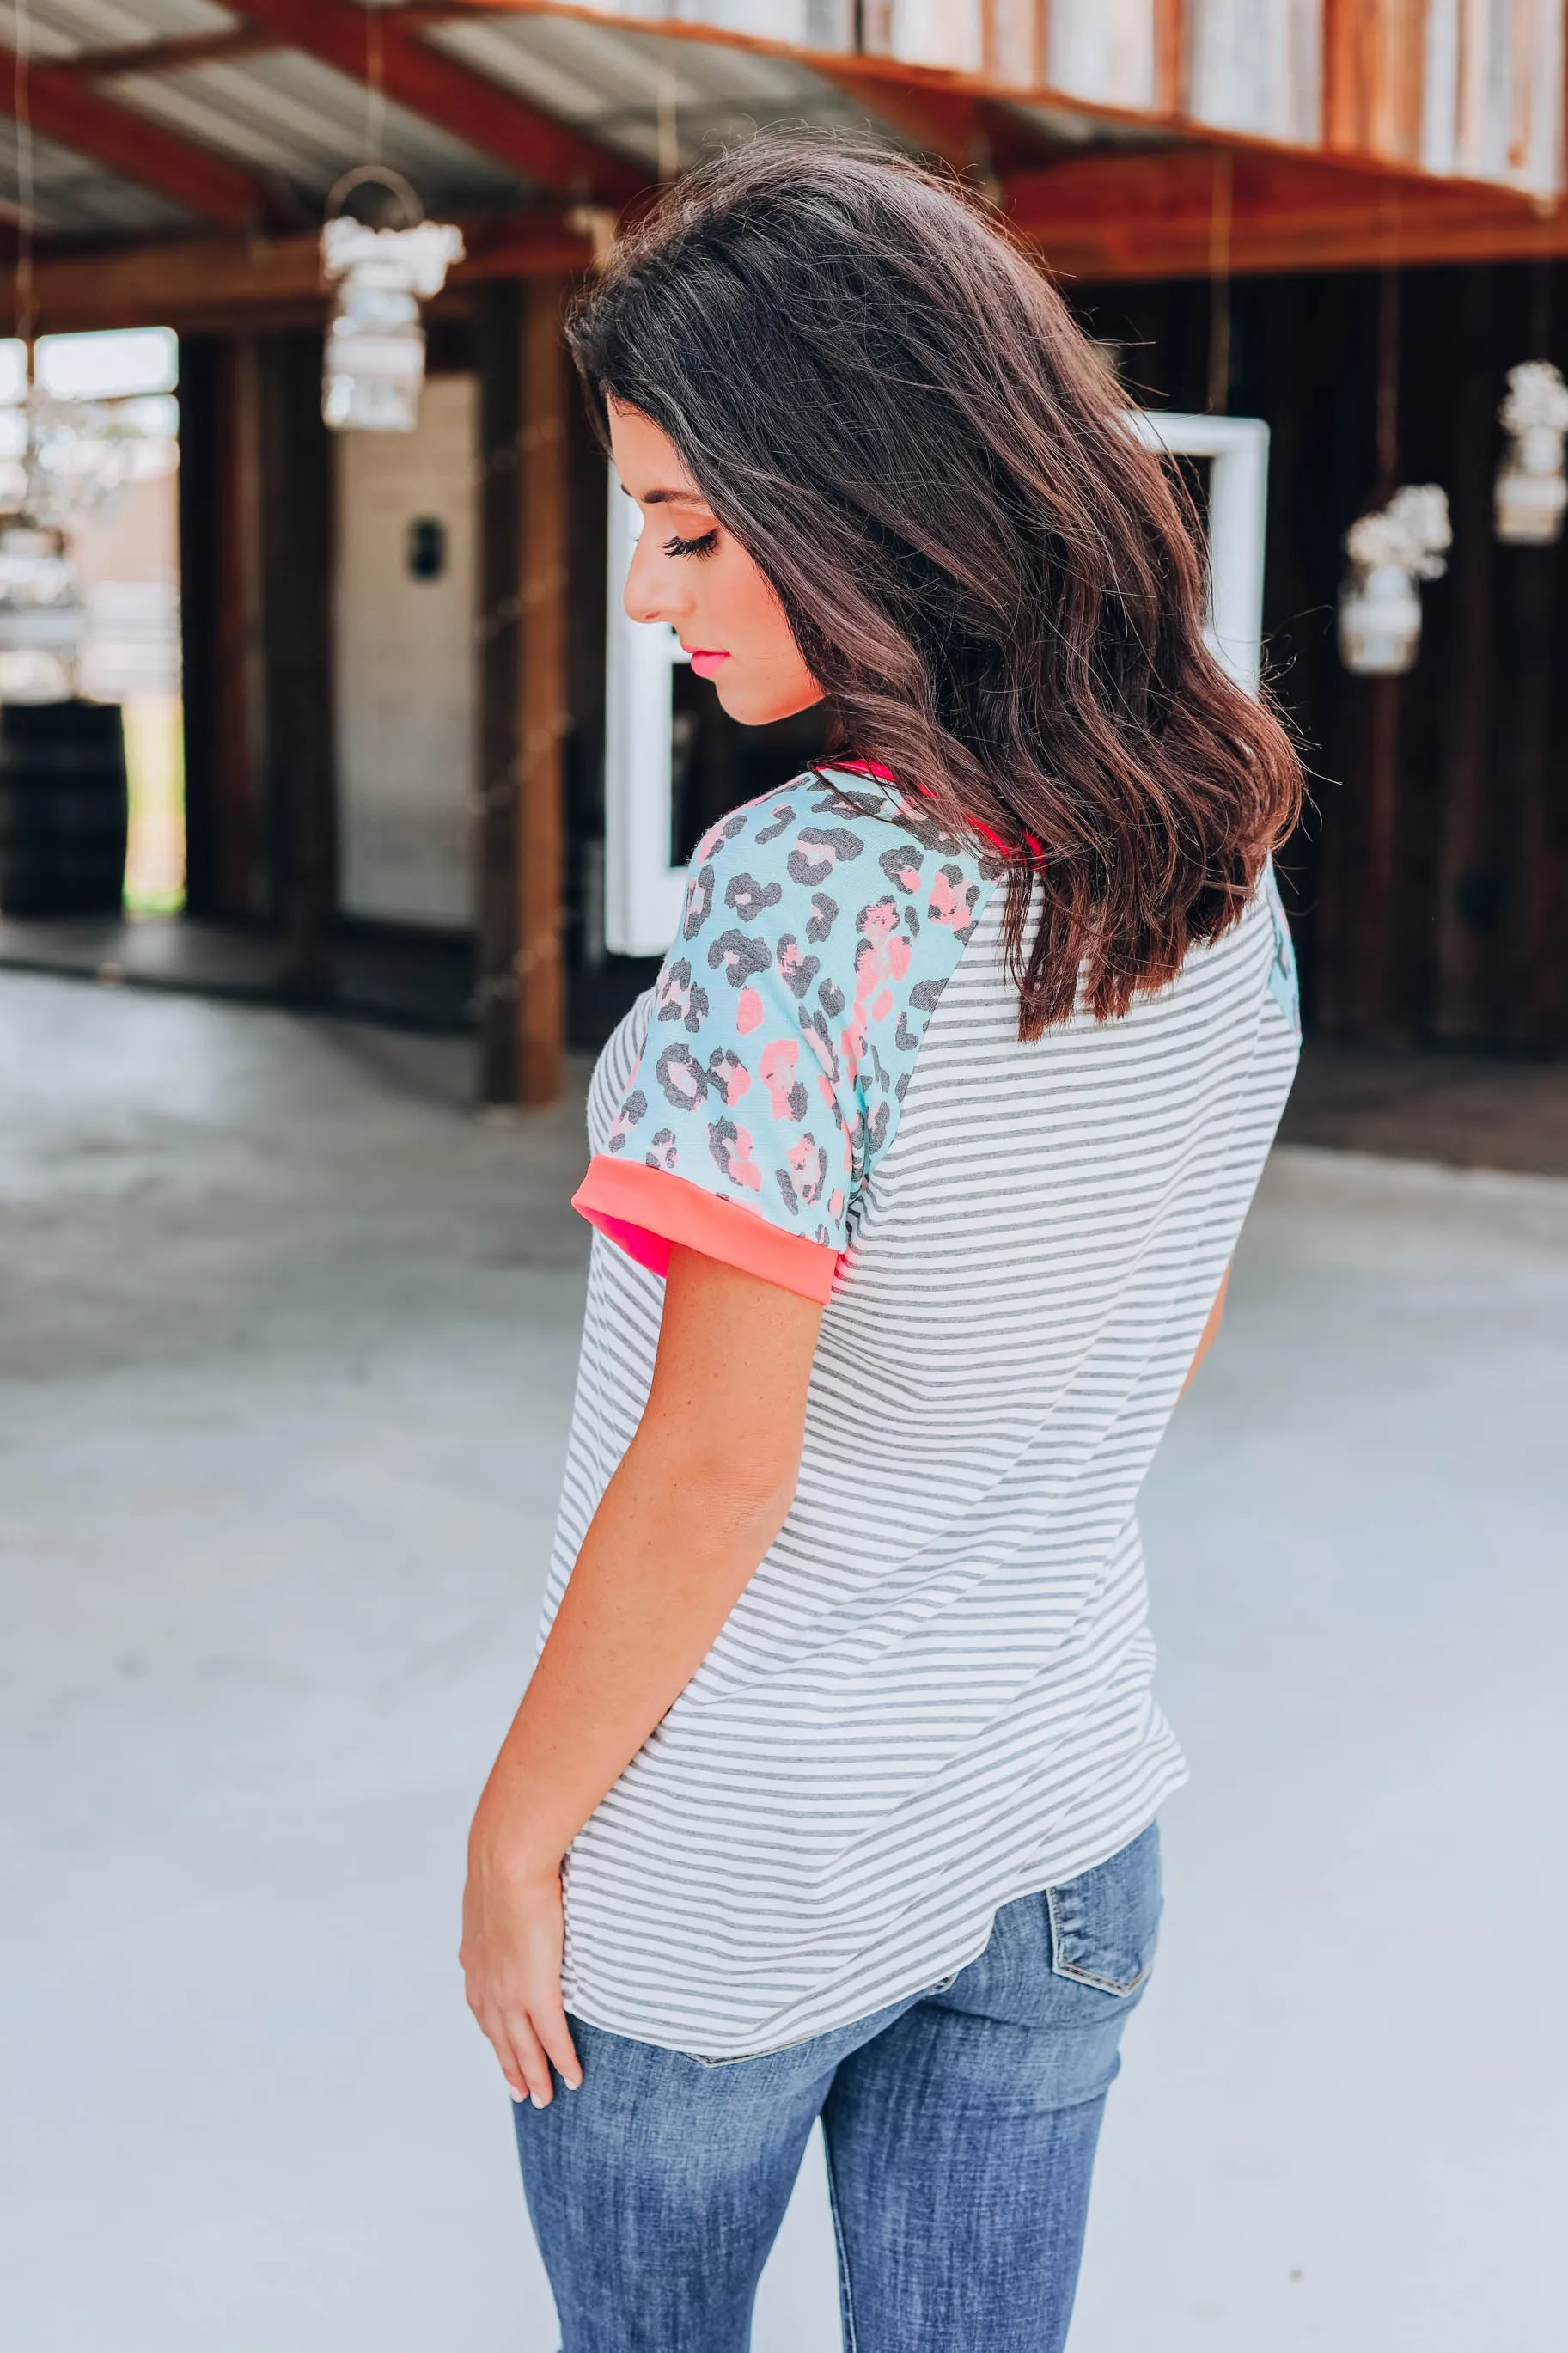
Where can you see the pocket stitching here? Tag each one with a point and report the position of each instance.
(1062, 1969)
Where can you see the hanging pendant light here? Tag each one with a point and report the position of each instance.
(373, 364)
(67, 461)
(1390, 550)
(1532, 491)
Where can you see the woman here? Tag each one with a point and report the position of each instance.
(915, 1180)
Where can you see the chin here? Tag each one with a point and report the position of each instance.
(751, 708)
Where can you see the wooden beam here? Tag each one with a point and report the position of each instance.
(1147, 215)
(189, 281)
(523, 692)
(220, 624)
(542, 715)
(128, 143)
(945, 123)
(296, 566)
(450, 95)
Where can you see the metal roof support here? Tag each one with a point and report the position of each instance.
(127, 143)
(436, 87)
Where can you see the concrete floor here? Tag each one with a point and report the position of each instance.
(286, 1358)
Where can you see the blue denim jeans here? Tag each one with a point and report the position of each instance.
(961, 2127)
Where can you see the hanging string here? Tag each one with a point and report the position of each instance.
(21, 107)
(1387, 383)
(374, 83)
(1388, 417)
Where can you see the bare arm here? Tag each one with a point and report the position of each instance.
(698, 1497)
(1210, 1332)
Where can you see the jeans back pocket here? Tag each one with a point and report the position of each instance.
(1105, 1924)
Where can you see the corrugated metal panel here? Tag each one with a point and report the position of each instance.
(1493, 97)
(810, 23)
(1258, 66)
(73, 198)
(618, 84)
(288, 113)
(63, 28)
(1103, 51)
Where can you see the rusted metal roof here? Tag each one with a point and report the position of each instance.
(74, 197)
(657, 100)
(304, 123)
(286, 110)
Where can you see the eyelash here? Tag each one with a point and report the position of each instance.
(699, 547)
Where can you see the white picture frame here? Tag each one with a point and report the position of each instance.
(1237, 450)
(643, 892)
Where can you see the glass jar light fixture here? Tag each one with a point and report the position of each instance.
(1532, 492)
(61, 462)
(41, 612)
(1379, 606)
(373, 364)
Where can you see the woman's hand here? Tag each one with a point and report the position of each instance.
(696, 1499)
(514, 1931)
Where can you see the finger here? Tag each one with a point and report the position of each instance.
(531, 2058)
(492, 2026)
(549, 2023)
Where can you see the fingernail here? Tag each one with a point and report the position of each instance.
(537, 2101)
(517, 2097)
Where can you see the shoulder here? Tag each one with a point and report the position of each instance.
(825, 861)
(821, 927)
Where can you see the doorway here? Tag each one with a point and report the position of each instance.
(405, 685)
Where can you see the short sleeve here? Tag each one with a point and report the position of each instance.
(785, 1017)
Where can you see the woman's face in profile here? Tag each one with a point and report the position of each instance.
(689, 571)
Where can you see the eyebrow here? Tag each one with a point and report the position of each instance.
(692, 498)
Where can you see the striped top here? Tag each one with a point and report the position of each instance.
(935, 1694)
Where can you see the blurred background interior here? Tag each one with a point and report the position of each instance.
(338, 800)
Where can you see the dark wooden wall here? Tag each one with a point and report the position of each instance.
(256, 553)
(1429, 884)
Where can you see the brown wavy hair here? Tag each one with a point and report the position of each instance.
(880, 392)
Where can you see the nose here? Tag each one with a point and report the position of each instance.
(650, 594)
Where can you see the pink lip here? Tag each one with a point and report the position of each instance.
(705, 663)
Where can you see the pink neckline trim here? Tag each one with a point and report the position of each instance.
(886, 776)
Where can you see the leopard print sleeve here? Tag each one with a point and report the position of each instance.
(819, 929)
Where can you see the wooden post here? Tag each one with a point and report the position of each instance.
(1377, 914)
(1464, 813)
(500, 312)
(220, 626)
(296, 565)
(523, 696)
(1529, 955)
(542, 712)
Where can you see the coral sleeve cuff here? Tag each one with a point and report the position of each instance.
(644, 1209)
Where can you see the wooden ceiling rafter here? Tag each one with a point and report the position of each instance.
(1150, 215)
(63, 108)
(449, 95)
(189, 281)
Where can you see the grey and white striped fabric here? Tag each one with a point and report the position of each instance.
(935, 1694)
